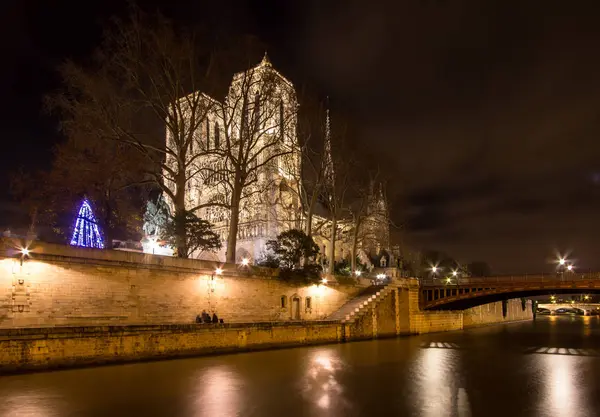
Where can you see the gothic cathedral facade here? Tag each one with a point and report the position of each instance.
(271, 202)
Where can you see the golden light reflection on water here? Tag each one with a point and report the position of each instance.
(561, 396)
(320, 384)
(441, 394)
(30, 404)
(218, 392)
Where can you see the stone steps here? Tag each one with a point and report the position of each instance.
(364, 305)
(354, 305)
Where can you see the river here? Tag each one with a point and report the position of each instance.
(548, 367)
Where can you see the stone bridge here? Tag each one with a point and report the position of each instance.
(463, 293)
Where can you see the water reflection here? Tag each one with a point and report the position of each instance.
(439, 384)
(217, 392)
(561, 392)
(546, 368)
(30, 403)
(320, 384)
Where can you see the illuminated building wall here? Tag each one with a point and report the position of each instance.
(273, 204)
(64, 285)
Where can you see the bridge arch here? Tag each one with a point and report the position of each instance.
(474, 292)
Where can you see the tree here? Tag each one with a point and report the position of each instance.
(156, 217)
(140, 80)
(199, 236)
(294, 252)
(369, 215)
(292, 247)
(338, 177)
(108, 174)
(258, 135)
(313, 132)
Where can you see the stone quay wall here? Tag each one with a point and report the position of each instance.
(399, 313)
(64, 286)
(29, 349)
(62, 306)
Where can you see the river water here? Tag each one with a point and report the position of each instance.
(549, 367)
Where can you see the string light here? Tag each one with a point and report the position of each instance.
(86, 232)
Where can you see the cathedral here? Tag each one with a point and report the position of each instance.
(272, 200)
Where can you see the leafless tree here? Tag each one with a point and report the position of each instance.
(138, 82)
(369, 212)
(337, 182)
(258, 136)
(312, 127)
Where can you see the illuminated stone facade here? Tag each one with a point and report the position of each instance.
(272, 204)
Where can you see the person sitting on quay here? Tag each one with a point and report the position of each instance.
(206, 317)
(201, 318)
(215, 319)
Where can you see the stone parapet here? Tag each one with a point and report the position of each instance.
(50, 348)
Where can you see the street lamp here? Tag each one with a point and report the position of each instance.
(561, 261)
(434, 270)
(218, 271)
(324, 281)
(570, 268)
(357, 273)
(154, 245)
(24, 254)
(245, 262)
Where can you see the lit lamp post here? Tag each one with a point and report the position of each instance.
(218, 271)
(154, 245)
(563, 265)
(455, 276)
(24, 254)
(434, 271)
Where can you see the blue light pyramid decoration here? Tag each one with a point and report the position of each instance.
(86, 232)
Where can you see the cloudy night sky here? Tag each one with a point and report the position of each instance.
(485, 116)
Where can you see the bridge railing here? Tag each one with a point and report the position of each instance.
(565, 277)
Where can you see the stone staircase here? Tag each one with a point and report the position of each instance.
(362, 303)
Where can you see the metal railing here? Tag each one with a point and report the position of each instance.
(506, 279)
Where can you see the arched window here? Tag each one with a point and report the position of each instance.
(308, 303)
(283, 301)
(217, 135)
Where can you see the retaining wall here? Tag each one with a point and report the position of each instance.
(60, 285)
(60, 347)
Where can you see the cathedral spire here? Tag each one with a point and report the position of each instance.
(328, 160)
(265, 61)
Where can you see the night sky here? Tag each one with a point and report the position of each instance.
(484, 115)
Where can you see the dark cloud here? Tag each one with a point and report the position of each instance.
(485, 116)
